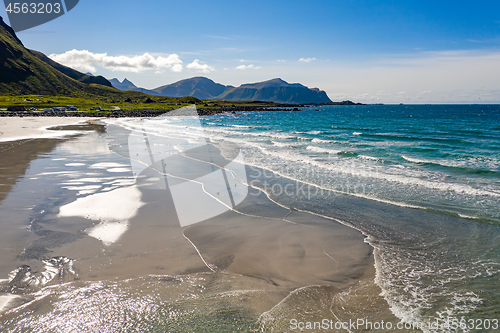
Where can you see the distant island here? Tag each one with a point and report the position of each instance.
(342, 103)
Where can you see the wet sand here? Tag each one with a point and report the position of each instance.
(12, 129)
(99, 224)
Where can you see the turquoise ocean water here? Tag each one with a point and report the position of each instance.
(422, 182)
(442, 158)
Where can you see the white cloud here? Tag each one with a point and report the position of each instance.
(86, 61)
(177, 68)
(201, 67)
(281, 60)
(307, 59)
(245, 67)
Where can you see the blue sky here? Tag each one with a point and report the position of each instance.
(368, 51)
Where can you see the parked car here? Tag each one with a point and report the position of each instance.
(16, 108)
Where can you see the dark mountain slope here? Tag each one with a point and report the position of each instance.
(23, 73)
(278, 91)
(200, 87)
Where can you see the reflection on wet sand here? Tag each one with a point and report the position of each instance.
(121, 244)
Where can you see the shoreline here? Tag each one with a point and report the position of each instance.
(41, 129)
(280, 255)
(24, 128)
(145, 112)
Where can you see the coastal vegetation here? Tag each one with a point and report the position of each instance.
(126, 100)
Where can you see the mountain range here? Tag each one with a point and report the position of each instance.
(275, 90)
(128, 85)
(24, 71)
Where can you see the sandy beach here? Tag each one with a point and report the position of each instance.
(90, 221)
(226, 227)
(17, 128)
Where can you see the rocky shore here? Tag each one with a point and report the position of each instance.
(141, 113)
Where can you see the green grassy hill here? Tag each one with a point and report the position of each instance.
(74, 74)
(22, 73)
